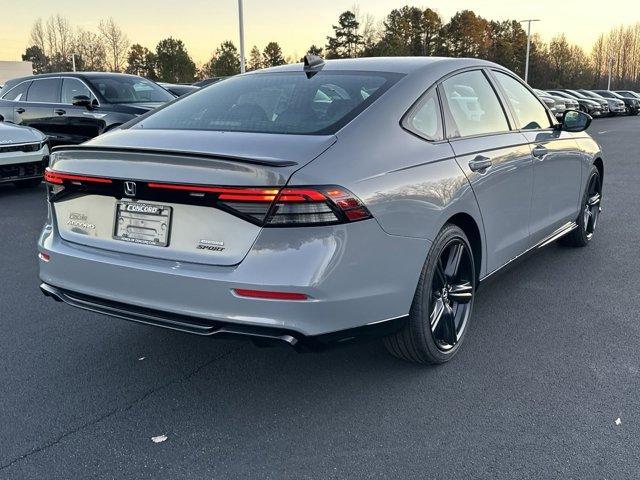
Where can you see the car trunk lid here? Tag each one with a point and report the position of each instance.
(153, 203)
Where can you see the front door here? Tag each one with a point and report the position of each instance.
(556, 160)
(76, 124)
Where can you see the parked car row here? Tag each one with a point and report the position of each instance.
(597, 103)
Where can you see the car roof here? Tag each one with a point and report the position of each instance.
(86, 75)
(405, 65)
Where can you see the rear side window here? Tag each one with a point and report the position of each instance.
(529, 112)
(425, 119)
(473, 106)
(286, 103)
(45, 91)
(17, 93)
(72, 87)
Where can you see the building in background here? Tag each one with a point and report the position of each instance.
(10, 70)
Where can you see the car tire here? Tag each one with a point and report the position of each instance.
(589, 212)
(442, 304)
(31, 183)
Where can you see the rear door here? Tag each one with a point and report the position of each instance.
(556, 160)
(11, 98)
(496, 160)
(38, 109)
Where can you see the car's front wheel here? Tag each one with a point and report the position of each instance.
(589, 213)
(443, 302)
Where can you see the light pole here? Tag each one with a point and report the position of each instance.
(610, 69)
(241, 23)
(73, 61)
(526, 64)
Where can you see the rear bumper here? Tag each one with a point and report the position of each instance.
(354, 275)
(218, 329)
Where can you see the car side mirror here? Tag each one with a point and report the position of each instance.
(1, 118)
(575, 121)
(82, 101)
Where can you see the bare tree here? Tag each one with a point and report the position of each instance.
(91, 50)
(59, 35)
(38, 35)
(117, 44)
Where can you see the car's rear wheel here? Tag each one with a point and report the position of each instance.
(443, 302)
(31, 183)
(589, 213)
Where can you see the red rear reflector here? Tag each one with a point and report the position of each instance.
(44, 256)
(58, 178)
(270, 295)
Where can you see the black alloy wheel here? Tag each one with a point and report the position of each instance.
(589, 213)
(442, 305)
(452, 294)
(592, 205)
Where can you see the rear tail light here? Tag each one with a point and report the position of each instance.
(274, 207)
(264, 206)
(59, 178)
(315, 206)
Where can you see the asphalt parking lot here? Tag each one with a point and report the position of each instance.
(551, 361)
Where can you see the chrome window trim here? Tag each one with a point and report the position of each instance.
(35, 79)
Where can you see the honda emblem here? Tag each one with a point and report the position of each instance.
(130, 189)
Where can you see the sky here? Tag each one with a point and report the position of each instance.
(294, 24)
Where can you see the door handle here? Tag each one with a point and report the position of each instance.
(480, 164)
(540, 152)
(59, 111)
(20, 110)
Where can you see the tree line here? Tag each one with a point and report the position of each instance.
(406, 31)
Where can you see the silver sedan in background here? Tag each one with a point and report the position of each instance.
(320, 203)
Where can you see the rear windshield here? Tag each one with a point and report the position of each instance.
(287, 102)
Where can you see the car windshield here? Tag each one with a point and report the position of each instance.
(286, 103)
(125, 89)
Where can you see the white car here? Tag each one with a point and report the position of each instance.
(24, 154)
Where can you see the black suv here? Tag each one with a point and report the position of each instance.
(70, 108)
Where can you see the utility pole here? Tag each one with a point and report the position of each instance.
(241, 22)
(610, 69)
(73, 61)
(526, 64)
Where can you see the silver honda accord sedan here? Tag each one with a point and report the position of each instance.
(320, 203)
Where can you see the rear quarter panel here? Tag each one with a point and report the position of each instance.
(411, 186)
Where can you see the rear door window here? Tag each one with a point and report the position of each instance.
(17, 93)
(473, 106)
(45, 91)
